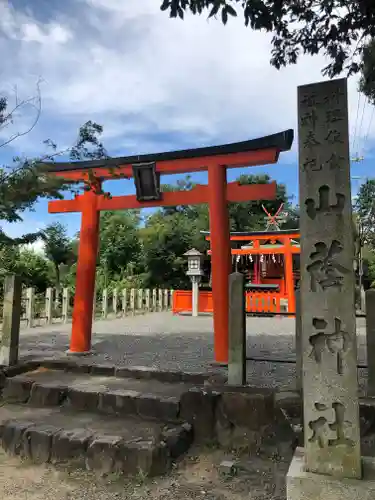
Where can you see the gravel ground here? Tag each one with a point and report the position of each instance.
(169, 342)
(161, 340)
(196, 477)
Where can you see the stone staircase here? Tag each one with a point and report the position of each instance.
(123, 420)
(133, 420)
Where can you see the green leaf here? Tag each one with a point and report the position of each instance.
(215, 9)
(231, 11)
(165, 5)
(224, 15)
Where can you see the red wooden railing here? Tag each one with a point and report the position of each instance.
(262, 302)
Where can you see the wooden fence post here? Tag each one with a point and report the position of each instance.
(154, 300)
(105, 303)
(237, 330)
(114, 301)
(56, 292)
(140, 300)
(30, 307)
(49, 305)
(160, 299)
(11, 321)
(65, 305)
(124, 305)
(94, 306)
(370, 340)
(147, 300)
(132, 301)
(166, 299)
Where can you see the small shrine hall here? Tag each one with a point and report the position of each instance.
(269, 260)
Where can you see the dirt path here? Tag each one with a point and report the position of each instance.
(197, 478)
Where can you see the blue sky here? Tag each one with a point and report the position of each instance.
(155, 84)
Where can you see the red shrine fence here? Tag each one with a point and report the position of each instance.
(256, 302)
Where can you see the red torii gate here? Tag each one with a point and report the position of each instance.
(217, 194)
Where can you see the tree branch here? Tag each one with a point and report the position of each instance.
(19, 104)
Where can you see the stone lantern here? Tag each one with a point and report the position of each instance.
(195, 272)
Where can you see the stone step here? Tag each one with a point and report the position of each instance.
(85, 365)
(100, 443)
(234, 417)
(149, 399)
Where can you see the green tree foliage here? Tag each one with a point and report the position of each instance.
(133, 254)
(34, 270)
(365, 211)
(367, 81)
(338, 29)
(8, 261)
(119, 244)
(26, 180)
(250, 216)
(364, 232)
(165, 239)
(57, 247)
(170, 232)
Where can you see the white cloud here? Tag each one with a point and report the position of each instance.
(37, 247)
(54, 33)
(131, 68)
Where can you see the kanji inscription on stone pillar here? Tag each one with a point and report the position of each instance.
(330, 387)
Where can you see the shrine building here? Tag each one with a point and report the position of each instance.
(270, 261)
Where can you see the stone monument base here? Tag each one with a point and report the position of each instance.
(302, 485)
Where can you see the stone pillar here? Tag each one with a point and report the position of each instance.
(154, 300)
(237, 330)
(105, 303)
(298, 340)
(171, 298)
(363, 299)
(330, 386)
(160, 299)
(93, 306)
(49, 305)
(57, 298)
(11, 321)
(114, 301)
(166, 299)
(132, 301)
(65, 305)
(370, 341)
(148, 300)
(124, 305)
(30, 299)
(195, 280)
(140, 300)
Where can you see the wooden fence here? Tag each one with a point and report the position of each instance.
(263, 302)
(56, 306)
(256, 302)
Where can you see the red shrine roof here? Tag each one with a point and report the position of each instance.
(281, 141)
(281, 232)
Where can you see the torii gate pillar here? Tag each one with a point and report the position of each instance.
(221, 257)
(80, 341)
